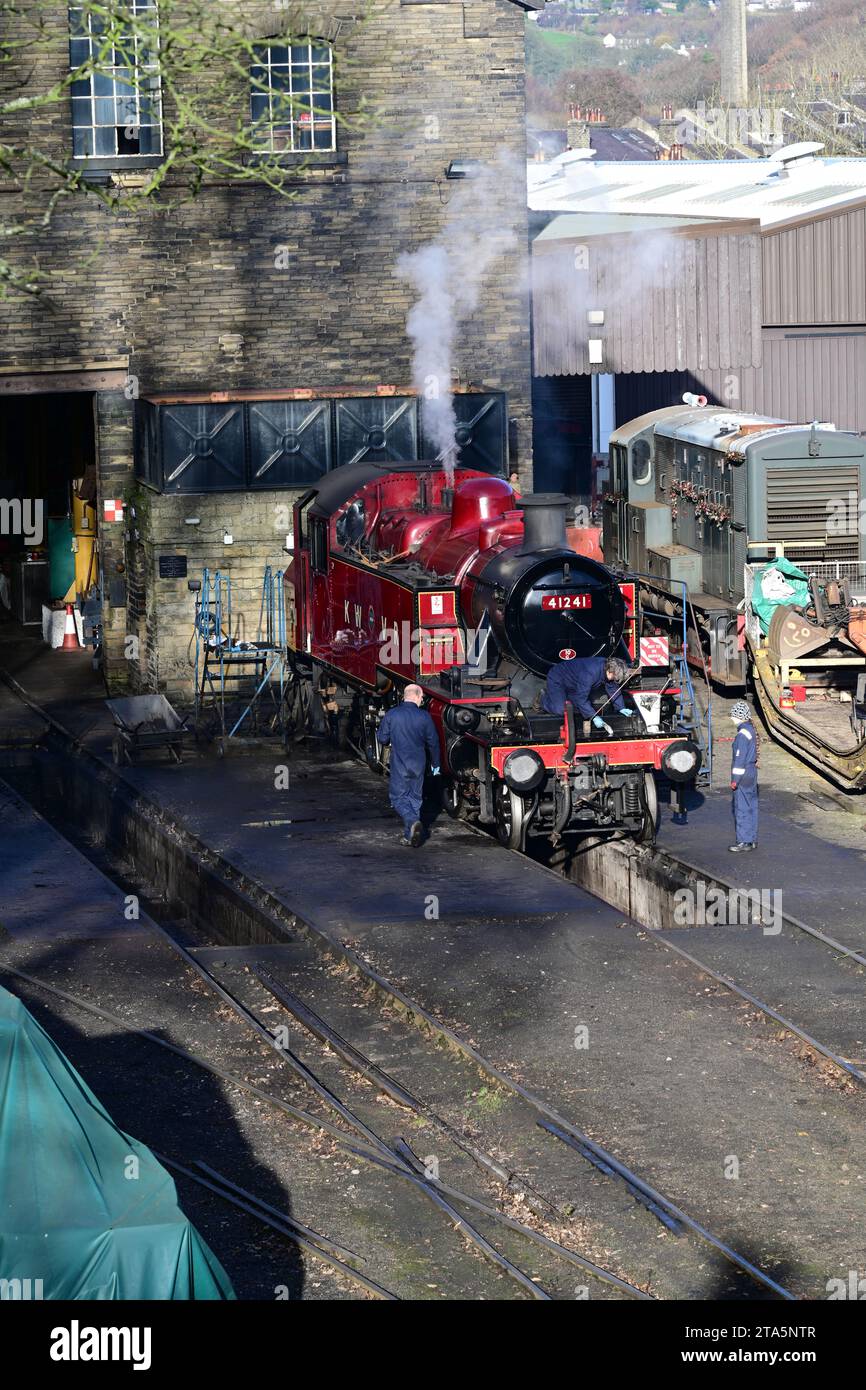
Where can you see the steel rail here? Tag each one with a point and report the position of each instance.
(255, 1206)
(711, 876)
(284, 1053)
(314, 1122)
(332, 1246)
(304, 1116)
(343, 1049)
(463, 1199)
(632, 1180)
(550, 1116)
(849, 1067)
(323, 1031)
(571, 1256)
(337, 1105)
(380, 1078)
(358, 1124)
(282, 1226)
(302, 1235)
(393, 991)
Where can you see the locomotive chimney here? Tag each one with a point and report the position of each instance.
(544, 521)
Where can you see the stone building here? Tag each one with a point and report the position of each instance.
(214, 356)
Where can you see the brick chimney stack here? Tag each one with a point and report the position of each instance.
(577, 130)
(668, 126)
(735, 75)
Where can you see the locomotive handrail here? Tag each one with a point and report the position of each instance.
(704, 738)
(779, 546)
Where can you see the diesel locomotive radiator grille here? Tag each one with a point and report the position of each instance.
(806, 505)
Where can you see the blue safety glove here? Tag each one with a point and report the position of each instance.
(629, 712)
(434, 771)
(598, 722)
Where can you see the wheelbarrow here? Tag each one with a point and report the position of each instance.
(146, 722)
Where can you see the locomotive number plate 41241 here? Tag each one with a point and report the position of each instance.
(566, 601)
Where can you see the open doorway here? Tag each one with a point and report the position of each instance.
(47, 504)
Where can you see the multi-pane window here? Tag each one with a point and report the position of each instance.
(292, 98)
(116, 99)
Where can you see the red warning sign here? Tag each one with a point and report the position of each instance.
(654, 651)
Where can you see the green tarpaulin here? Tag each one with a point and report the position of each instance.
(84, 1208)
(780, 582)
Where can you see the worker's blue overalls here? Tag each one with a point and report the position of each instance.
(412, 735)
(744, 777)
(575, 680)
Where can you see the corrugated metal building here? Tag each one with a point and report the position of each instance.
(676, 295)
(746, 281)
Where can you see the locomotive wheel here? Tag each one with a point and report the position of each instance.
(647, 833)
(373, 756)
(510, 812)
(298, 702)
(452, 798)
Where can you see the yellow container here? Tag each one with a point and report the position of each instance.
(84, 545)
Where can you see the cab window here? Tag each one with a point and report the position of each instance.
(319, 544)
(641, 463)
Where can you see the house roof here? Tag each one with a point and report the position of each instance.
(622, 144)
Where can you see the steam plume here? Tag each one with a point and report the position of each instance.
(447, 275)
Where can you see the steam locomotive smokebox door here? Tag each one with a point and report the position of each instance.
(542, 599)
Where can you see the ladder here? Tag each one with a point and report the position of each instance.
(696, 723)
(230, 672)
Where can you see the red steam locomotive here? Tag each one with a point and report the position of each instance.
(400, 573)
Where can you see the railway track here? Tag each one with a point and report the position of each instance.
(397, 1157)
(667, 1213)
(835, 950)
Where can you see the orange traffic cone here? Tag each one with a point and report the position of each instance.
(70, 636)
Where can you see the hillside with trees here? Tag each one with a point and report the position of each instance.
(656, 55)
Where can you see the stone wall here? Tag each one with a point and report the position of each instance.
(245, 289)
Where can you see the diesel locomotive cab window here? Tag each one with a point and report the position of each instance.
(292, 98)
(617, 473)
(115, 89)
(641, 463)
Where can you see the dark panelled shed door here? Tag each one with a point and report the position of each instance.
(203, 448)
(481, 432)
(562, 434)
(290, 442)
(376, 429)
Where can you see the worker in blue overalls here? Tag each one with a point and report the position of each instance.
(412, 735)
(744, 778)
(576, 679)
